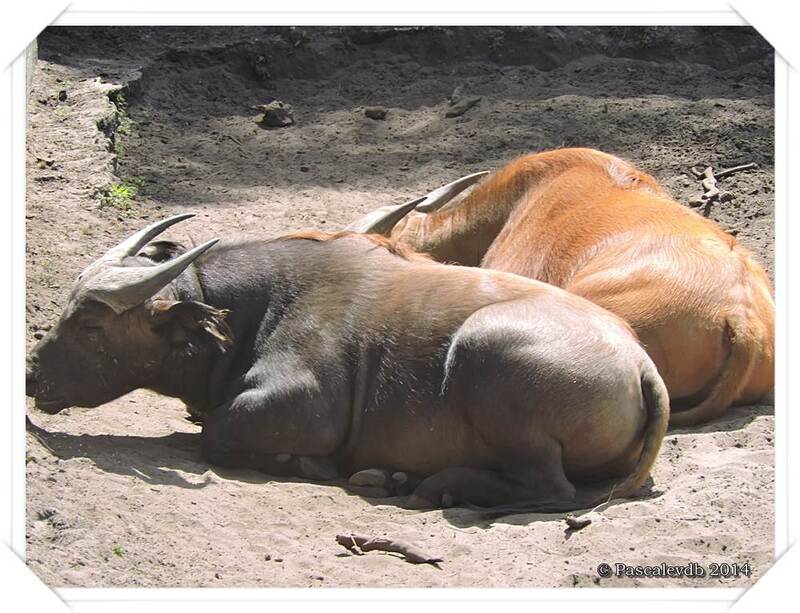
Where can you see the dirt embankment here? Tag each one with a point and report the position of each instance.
(127, 125)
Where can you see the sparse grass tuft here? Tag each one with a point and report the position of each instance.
(120, 196)
(118, 550)
(124, 124)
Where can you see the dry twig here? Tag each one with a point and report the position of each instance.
(577, 523)
(729, 171)
(358, 544)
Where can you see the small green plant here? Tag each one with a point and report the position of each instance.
(118, 550)
(124, 124)
(119, 100)
(120, 196)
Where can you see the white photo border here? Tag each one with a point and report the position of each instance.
(12, 144)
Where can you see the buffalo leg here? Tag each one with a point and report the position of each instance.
(459, 484)
(382, 483)
(543, 470)
(279, 432)
(538, 477)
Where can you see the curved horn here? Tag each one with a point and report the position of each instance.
(124, 287)
(132, 244)
(441, 196)
(384, 219)
(387, 221)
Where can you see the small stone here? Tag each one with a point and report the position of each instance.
(62, 95)
(261, 69)
(45, 514)
(375, 112)
(277, 114)
(462, 107)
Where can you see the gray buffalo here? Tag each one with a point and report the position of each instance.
(315, 350)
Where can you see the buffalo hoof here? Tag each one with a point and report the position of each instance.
(402, 483)
(405, 483)
(316, 469)
(417, 503)
(372, 477)
(447, 500)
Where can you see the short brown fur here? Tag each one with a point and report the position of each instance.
(401, 250)
(599, 227)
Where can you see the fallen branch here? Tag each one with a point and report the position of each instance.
(358, 545)
(462, 106)
(729, 171)
(234, 139)
(238, 144)
(710, 183)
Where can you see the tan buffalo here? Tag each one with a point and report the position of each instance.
(600, 228)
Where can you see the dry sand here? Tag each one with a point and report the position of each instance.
(119, 495)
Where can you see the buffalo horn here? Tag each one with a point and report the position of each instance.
(132, 244)
(385, 223)
(441, 196)
(122, 287)
(428, 203)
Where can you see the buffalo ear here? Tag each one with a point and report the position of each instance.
(182, 319)
(161, 251)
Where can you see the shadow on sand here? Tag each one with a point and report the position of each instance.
(164, 460)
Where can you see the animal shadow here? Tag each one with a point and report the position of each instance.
(164, 460)
(735, 418)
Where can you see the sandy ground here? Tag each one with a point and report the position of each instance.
(119, 495)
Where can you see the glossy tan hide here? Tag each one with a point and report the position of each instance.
(598, 227)
(493, 387)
